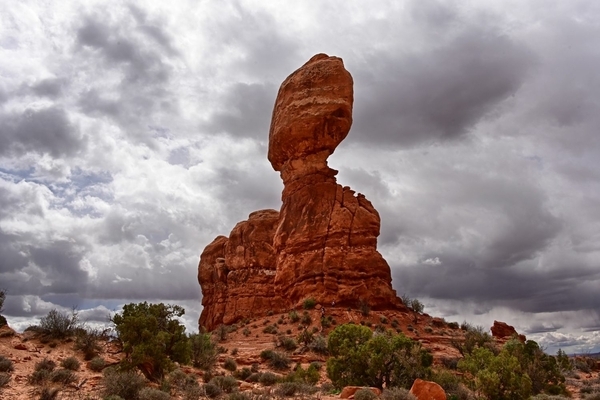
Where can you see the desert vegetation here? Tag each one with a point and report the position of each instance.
(159, 359)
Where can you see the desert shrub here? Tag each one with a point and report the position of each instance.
(306, 318)
(319, 345)
(204, 351)
(476, 337)
(450, 362)
(288, 343)
(212, 390)
(544, 370)
(414, 305)
(447, 380)
(496, 377)
(309, 303)
(289, 389)
(238, 396)
(453, 325)
(397, 393)
(268, 378)
(42, 372)
(327, 387)
(230, 364)
(227, 383)
(46, 364)
(151, 334)
(294, 317)
(87, 342)
(70, 363)
(309, 376)
(586, 389)
(280, 321)
(277, 360)
(234, 351)
(246, 332)
(272, 329)
(59, 325)
(63, 376)
(253, 377)
(221, 332)
(4, 379)
(6, 365)
(305, 337)
(126, 384)
(177, 378)
(364, 394)
(360, 358)
(38, 377)
(243, 374)
(149, 393)
(97, 364)
(193, 392)
(364, 307)
(325, 322)
(255, 367)
(266, 354)
(48, 393)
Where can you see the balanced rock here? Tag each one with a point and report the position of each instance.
(323, 242)
(326, 241)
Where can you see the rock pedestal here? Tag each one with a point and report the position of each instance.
(323, 242)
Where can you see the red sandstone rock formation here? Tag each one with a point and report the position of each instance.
(236, 273)
(323, 243)
(426, 390)
(502, 330)
(326, 242)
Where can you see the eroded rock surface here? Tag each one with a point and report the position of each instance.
(501, 330)
(237, 273)
(323, 243)
(427, 390)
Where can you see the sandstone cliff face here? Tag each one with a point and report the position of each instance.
(323, 243)
(237, 273)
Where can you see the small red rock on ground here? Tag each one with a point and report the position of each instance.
(349, 391)
(426, 390)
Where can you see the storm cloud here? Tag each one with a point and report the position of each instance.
(133, 134)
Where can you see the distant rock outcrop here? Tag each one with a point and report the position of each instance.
(323, 243)
(501, 330)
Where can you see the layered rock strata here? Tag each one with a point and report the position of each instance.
(323, 243)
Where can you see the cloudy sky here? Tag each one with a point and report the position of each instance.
(132, 133)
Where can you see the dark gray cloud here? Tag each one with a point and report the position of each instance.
(51, 88)
(135, 54)
(11, 258)
(153, 30)
(46, 130)
(247, 111)
(421, 97)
